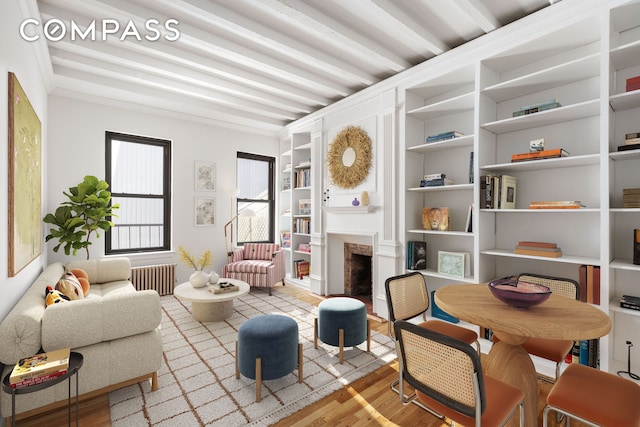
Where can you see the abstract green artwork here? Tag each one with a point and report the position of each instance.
(25, 183)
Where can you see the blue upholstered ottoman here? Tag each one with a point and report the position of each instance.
(268, 348)
(342, 322)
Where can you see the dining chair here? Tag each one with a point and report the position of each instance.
(447, 376)
(408, 298)
(594, 397)
(553, 350)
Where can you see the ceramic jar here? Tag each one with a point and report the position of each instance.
(199, 279)
(214, 277)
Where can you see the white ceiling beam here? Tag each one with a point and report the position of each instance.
(477, 14)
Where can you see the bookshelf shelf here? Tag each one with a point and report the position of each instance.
(568, 259)
(625, 56)
(454, 105)
(462, 141)
(562, 162)
(625, 101)
(444, 233)
(453, 187)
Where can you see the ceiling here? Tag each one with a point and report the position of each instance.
(255, 65)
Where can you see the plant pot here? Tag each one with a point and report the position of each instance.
(199, 279)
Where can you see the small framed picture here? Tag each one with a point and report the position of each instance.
(205, 176)
(205, 209)
(454, 263)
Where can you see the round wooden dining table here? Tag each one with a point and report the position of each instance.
(557, 318)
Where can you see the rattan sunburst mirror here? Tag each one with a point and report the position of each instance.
(349, 157)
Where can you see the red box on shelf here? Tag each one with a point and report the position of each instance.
(633, 83)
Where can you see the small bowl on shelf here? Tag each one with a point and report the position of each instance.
(519, 294)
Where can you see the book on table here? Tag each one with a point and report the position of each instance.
(223, 287)
(40, 365)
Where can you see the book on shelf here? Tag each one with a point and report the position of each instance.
(304, 163)
(439, 313)
(38, 380)
(223, 287)
(444, 136)
(534, 244)
(416, 255)
(632, 135)
(285, 239)
(633, 83)
(436, 182)
(544, 252)
(471, 177)
(536, 248)
(435, 219)
(552, 153)
(628, 147)
(589, 352)
(534, 108)
(301, 268)
(589, 282)
(631, 198)
(556, 204)
(469, 223)
(507, 191)
(630, 302)
(631, 141)
(40, 364)
(304, 207)
(434, 176)
(304, 247)
(486, 195)
(636, 246)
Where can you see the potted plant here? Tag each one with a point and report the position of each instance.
(199, 278)
(88, 210)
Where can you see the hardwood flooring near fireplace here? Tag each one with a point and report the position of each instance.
(366, 402)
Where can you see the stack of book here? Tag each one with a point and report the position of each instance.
(633, 83)
(435, 180)
(39, 368)
(498, 191)
(301, 268)
(630, 301)
(534, 108)
(589, 281)
(631, 198)
(304, 247)
(631, 142)
(444, 136)
(545, 249)
(556, 204)
(553, 153)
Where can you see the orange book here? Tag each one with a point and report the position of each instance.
(549, 254)
(554, 152)
(538, 244)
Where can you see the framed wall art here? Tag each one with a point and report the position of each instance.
(25, 179)
(205, 209)
(454, 263)
(205, 176)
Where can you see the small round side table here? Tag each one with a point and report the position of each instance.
(75, 363)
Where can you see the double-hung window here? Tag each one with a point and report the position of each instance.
(138, 170)
(256, 198)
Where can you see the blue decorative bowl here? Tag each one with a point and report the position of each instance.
(519, 294)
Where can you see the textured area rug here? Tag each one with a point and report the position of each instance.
(197, 383)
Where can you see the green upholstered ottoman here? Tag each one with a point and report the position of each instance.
(267, 348)
(342, 322)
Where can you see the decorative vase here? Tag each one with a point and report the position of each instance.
(199, 279)
(364, 198)
(355, 202)
(214, 277)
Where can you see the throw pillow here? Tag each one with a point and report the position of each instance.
(70, 286)
(52, 296)
(83, 278)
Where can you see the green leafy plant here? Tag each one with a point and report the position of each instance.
(88, 210)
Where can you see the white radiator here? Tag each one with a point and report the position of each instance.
(160, 277)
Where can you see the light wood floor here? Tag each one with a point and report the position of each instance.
(366, 402)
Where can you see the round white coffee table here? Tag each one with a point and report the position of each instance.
(207, 306)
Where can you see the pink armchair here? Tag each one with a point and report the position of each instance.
(258, 264)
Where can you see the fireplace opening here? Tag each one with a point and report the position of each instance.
(358, 270)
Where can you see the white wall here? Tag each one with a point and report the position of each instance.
(17, 56)
(77, 131)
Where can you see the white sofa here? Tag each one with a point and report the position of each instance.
(115, 327)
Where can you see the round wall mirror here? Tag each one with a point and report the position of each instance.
(349, 157)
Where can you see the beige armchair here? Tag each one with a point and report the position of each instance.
(258, 264)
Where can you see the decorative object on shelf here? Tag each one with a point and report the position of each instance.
(636, 246)
(285, 239)
(633, 83)
(205, 211)
(355, 202)
(244, 213)
(25, 171)
(536, 145)
(349, 157)
(454, 263)
(631, 197)
(364, 198)
(628, 371)
(199, 278)
(519, 294)
(205, 176)
(214, 277)
(435, 219)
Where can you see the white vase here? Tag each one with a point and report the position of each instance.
(199, 279)
(214, 277)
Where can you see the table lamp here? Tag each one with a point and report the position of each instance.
(246, 213)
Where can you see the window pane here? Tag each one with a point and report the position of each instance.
(139, 224)
(136, 168)
(256, 228)
(253, 179)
